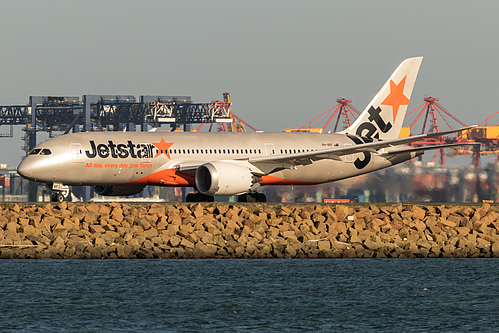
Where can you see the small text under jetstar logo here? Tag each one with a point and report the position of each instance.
(128, 149)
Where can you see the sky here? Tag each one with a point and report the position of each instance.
(283, 62)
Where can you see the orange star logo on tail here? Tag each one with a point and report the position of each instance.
(396, 97)
(163, 148)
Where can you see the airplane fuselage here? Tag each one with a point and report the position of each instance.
(157, 158)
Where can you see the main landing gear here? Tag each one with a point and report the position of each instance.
(248, 197)
(199, 197)
(252, 197)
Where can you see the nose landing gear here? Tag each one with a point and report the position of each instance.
(61, 192)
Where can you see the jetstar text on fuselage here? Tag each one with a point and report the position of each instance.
(120, 150)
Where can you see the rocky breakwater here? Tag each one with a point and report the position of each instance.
(246, 231)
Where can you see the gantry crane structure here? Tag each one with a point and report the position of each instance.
(432, 111)
(483, 139)
(235, 125)
(342, 111)
(488, 138)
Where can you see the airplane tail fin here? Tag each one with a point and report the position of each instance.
(384, 115)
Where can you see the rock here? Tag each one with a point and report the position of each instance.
(374, 209)
(288, 234)
(338, 228)
(60, 231)
(372, 245)
(62, 206)
(289, 252)
(324, 245)
(15, 208)
(162, 223)
(205, 251)
(11, 228)
(448, 223)
(104, 210)
(157, 209)
(96, 228)
(417, 212)
(341, 211)
(495, 249)
(52, 221)
(150, 233)
(110, 236)
(117, 214)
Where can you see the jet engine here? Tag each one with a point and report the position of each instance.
(223, 178)
(118, 190)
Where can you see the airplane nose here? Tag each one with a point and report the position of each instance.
(25, 170)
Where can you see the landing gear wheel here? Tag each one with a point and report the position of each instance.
(190, 197)
(199, 197)
(261, 197)
(58, 197)
(252, 197)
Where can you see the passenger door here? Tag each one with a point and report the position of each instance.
(77, 152)
(269, 149)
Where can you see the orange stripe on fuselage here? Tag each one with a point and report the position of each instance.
(271, 180)
(168, 177)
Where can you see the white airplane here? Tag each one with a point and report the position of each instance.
(220, 164)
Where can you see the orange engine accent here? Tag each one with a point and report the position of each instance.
(168, 177)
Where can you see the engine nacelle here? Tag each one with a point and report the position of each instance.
(118, 190)
(223, 178)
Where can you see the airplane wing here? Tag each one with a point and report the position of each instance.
(186, 166)
(430, 147)
(272, 163)
(268, 164)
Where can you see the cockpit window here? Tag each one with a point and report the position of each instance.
(45, 152)
(35, 152)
